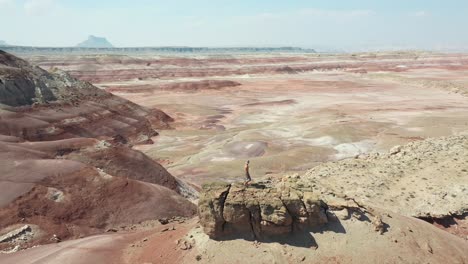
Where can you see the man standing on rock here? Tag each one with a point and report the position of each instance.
(247, 173)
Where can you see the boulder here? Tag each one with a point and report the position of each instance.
(211, 207)
(259, 210)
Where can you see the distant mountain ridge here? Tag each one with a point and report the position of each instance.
(95, 42)
(146, 50)
(3, 43)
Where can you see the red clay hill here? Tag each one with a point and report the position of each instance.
(67, 168)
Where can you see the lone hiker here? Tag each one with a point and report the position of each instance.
(248, 179)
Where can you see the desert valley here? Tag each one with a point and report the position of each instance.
(127, 156)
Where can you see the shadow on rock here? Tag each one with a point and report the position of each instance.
(334, 226)
(302, 239)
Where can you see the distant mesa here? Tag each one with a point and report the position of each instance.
(95, 42)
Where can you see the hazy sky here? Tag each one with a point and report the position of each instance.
(305, 23)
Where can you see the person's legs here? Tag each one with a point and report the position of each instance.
(247, 173)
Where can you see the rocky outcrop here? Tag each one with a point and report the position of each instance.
(19, 84)
(38, 105)
(15, 233)
(259, 210)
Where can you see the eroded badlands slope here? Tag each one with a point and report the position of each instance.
(39, 105)
(284, 112)
(290, 113)
(67, 169)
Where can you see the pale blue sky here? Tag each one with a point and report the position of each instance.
(313, 23)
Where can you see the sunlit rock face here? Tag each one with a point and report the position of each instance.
(259, 210)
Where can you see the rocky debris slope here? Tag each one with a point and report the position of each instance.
(426, 178)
